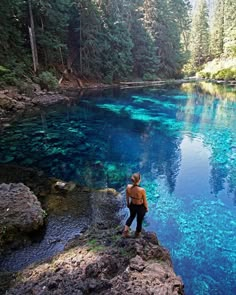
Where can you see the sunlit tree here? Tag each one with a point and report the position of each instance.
(199, 39)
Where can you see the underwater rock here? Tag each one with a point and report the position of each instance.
(49, 99)
(21, 212)
(64, 186)
(102, 262)
(106, 205)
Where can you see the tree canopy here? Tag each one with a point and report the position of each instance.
(113, 40)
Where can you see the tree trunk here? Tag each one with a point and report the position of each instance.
(33, 38)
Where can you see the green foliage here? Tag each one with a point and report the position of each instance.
(204, 75)
(3, 71)
(199, 40)
(189, 70)
(95, 245)
(219, 68)
(51, 26)
(25, 87)
(47, 81)
(150, 77)
(7, 77)
(229, 27)
(145, 59)
(162, 22)
(225, 74)
(109, 40)
(217, 30)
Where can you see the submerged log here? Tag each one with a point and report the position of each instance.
(144, 83)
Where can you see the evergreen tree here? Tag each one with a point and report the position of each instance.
(51, 26)
(162, 22)
(230, 27)
(13, 31)
(199, 43)
(117, 58)
(217, 30)
(89, 34)
(146, 62)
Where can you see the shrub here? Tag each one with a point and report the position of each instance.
(189, 70)
(47, 81)
(3, 71)
(26, 88)
(225, 74)
(204, 75)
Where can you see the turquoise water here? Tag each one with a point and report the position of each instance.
(183, 141)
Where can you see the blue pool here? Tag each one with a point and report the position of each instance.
(183, 142)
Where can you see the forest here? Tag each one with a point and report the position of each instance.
(116, 40)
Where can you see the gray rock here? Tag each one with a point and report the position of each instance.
(109, 270)
(21, 212)
(106, 205)
(137, 263)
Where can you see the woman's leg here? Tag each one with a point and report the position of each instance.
(133, 213)
(140, 215)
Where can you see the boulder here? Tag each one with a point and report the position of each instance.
(21, 212)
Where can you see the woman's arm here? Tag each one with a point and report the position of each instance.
(127, 197)
(145, 200)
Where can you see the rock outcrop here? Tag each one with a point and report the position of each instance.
(102, 262)
(21, 212)
(12, 103)
(105, 206)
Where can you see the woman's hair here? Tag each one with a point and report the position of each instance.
(135, 177)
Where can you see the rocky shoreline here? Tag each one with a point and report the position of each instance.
(102, 262)
(14, 104)
(99, 261)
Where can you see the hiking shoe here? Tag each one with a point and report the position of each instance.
(125, 234)
(137, 235)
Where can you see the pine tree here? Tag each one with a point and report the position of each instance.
(162, 22)
(89, 34)
(217, 30)
(230, 27)
(146, 62)
(199, 43)
(51, 27)
(13, 30)
(117, 56)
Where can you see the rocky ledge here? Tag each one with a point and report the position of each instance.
(12, 103)
(21, 213)
(102, 262)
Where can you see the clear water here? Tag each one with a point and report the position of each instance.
(183, 141)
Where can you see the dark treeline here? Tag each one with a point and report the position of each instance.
(113, 40)
(107, 40)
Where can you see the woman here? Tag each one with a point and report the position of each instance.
(137, 204)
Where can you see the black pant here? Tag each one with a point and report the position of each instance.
(138, 210)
